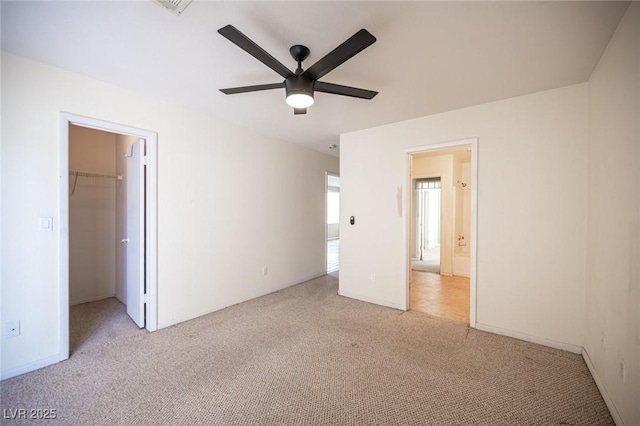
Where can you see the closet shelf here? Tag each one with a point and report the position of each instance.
(78, 174)
(94, 175)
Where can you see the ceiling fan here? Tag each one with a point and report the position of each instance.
(301, 85)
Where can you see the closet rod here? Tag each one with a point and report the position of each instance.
(90, 175)
(94, 175)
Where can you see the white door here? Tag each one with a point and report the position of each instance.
(135, 238)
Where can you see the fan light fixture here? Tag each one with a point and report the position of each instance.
(299, 91)
(299, 100)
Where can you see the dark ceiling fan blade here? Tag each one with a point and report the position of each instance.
(354, 45)
(246, 44)
(338, 89)
(297, 111)
(257, 88)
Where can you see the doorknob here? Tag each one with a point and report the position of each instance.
(125, 240)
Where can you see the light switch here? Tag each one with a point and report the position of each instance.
(46, 224)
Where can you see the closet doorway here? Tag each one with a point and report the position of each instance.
(108, 252)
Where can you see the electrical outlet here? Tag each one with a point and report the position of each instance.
(373, 277)
(12, 329)
(265, 270)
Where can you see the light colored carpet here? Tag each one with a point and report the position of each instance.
(305, 356)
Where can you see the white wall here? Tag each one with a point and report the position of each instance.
(612, 320)
(464, 213)
(229, 202)
(92, 216)
(462, 216)
(531, 209)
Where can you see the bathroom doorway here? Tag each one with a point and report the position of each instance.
(441, 206)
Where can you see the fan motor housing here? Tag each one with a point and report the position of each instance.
(299, 84)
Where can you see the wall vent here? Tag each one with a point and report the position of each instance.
(175, 6)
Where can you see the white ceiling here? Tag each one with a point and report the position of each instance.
(430, 57)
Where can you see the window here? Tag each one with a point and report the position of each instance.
(428, 183)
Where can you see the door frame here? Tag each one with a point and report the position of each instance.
(407, 213)
(151, 138)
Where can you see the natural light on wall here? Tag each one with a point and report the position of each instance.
(333, 199)
(333, 206)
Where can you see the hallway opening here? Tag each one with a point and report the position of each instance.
(333, 222)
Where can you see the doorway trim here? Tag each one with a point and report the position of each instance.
(67, 119)
(406, 218)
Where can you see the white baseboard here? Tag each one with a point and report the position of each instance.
(26, 368)
(371, 300)
(90, 299)
(603, 391)
(270, 290)
(303, 280)
(528, 338)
